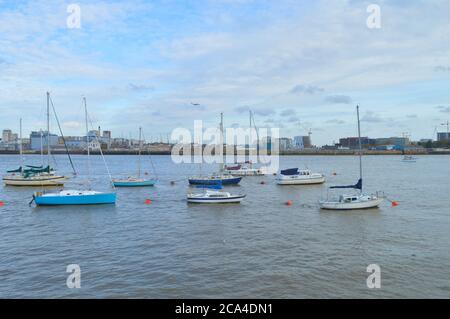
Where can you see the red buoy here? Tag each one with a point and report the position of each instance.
(394, 203)
(2, 203)
(148, 201)
(289, 203)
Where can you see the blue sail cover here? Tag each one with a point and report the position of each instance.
(290, 171)
(356, 186)
(216, 186)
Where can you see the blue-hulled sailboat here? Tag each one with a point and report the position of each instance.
(135, 181)
(77, 197)
(213, 179)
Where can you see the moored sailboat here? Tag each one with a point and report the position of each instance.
(35, 175)
(221, 177)
(137, 181)
(356, 201)
(77, 197)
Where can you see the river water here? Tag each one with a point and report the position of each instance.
(261, 248)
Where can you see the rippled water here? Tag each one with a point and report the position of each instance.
(260, 248)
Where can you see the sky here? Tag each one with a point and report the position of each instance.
(298, 65)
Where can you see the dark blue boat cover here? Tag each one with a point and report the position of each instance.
(290, 171)
(357, 185)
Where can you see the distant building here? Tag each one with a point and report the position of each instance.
(35, 140)
(285, 143)
(353, 142)
(443, 136)
(301, 142)
(399, 142)
(6, 136)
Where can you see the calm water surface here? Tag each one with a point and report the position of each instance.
(260, 248)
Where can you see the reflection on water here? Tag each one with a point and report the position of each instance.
(260, 248)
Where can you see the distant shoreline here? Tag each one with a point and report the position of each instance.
(284, 153)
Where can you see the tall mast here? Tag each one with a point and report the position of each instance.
(359, 142)
(48, 128)
(221, 143)
(140, 146)
(20, 144)
(42, 149)
(87, 141)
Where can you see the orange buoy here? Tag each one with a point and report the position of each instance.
(148, 201)
(289, 203)
(394, 203)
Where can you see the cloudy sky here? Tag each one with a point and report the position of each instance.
(298, 65)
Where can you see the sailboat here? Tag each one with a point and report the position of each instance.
(220, 177)
(76, 197)
(357, 201)
(212, 195)
(35, 175)
(246, 168)
(135, 181)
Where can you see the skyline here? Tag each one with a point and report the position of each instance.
(147, 63)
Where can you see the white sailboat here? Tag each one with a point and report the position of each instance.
(356, 201)
(34, 175)
(246, 168)
(77, 197)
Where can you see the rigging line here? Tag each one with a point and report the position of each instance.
(101, 153)
(62, 136)
(151, 160)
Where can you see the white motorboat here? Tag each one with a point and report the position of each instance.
(358, 201)
(214, 197)
(294, 176)
(409, 159)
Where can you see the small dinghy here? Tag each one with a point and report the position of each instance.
(214, 197)
(294, 176)
(74, 197)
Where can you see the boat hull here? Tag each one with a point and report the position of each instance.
(224, 181)
(245, 172)
(374, 203)
(34, 181)
(301, 181)
(134, 183)
(228, 200)
(57, 200)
